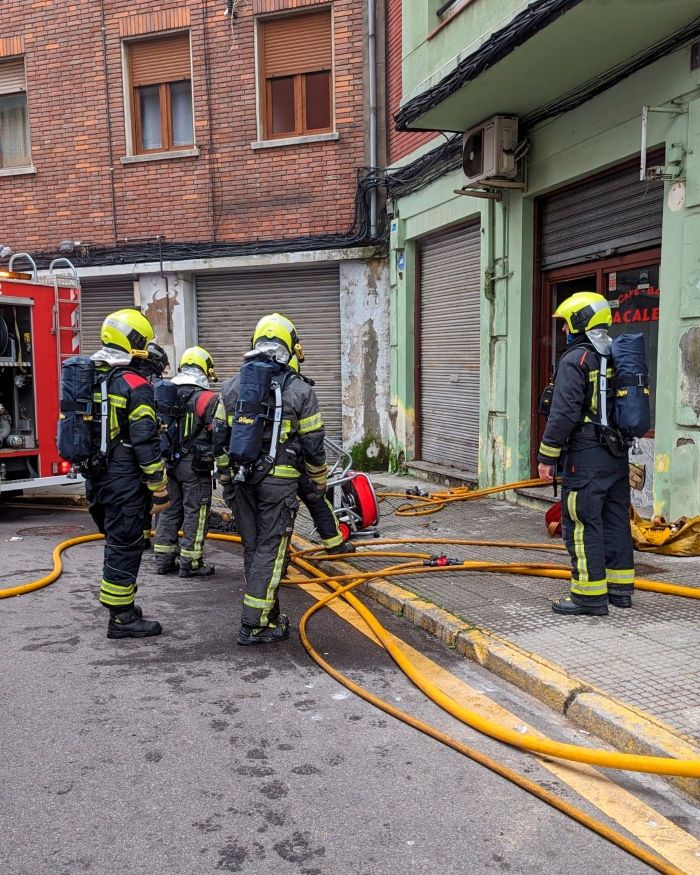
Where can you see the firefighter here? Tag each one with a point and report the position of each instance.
(189, 479)
(317, 504)
(131, 482)
(594, 465)
(265, 503)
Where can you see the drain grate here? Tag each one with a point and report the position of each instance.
(50, 530)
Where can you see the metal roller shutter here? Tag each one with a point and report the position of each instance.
(98, 298)
(229, 306)
(449, 348)
(612, 212)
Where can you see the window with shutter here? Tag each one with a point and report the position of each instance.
(14, 119)
(296, 60)
(160, 78)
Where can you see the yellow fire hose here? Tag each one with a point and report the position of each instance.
(434, 502)
(546, 747)
(532, 787)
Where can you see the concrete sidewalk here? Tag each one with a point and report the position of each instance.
(632, 678)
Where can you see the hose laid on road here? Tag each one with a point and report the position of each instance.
(531, 787)
(546, 747)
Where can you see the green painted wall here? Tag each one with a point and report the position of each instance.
(426, 59)
(602, 132)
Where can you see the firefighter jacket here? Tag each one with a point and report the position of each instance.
(132, 421)
(200, 405)
(302, 435)
(571, 424)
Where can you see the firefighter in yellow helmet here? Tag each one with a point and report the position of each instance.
(190, 466)
(593, 460)
(268, 431)
(126, 480)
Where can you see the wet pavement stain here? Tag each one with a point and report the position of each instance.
(232, 857)
(298, 849)
(71, 642)
(209, 825)
(254, 772)
(259, 674)
(306, 769)
(275, 790)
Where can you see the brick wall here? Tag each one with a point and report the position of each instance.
(400, 142)
(267, 194)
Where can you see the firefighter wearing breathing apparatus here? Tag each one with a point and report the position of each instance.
(317, 504)
(267, 432)
(580, 437)
(127, 480)
(186, 442)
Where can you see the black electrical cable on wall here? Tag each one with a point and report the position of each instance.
(520, 29)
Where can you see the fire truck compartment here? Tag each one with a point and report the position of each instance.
(18, 438)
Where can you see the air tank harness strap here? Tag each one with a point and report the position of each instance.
(277, 387)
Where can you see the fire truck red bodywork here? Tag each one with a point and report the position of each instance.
(42, 324)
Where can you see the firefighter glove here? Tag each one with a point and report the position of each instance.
(223, 475)
(161, 501)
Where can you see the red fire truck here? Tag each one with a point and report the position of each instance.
(39, 329)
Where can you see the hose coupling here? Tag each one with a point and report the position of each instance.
(416, 490)
(441, 561)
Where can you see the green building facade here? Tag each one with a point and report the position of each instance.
(596, 88)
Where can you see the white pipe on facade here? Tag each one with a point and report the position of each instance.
(372, 64)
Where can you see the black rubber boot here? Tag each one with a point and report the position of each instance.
(620, 596)
(345, 547)
(569, 608)
(166, 563)
(129, 623)
(186, 569)
(267, 634)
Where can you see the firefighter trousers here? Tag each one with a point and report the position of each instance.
(120, 504)
(596, 525)
(265, 513)
(321, 512)
(190, 493)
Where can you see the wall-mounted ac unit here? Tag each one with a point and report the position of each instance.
(488, 151)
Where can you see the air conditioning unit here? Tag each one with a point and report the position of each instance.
(488, 151)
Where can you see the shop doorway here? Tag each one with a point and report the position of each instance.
(630, 283)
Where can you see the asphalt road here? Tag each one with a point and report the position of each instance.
(188, 754)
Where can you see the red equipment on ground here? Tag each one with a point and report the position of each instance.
(39, 329)
(352, 496)
(552, 519)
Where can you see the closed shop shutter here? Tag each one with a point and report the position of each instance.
(615, 212)
(229, 306)
(99, 298)
(449, 348)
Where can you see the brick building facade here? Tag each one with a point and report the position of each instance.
(230, 186)
(237, 141)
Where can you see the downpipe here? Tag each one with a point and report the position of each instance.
(372, 76)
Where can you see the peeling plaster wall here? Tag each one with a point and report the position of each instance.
(156, 299)
(364, 319)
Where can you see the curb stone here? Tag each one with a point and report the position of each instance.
(622, 726)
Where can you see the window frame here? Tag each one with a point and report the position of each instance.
(28, 165)
(300, 132)
(133, 103)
